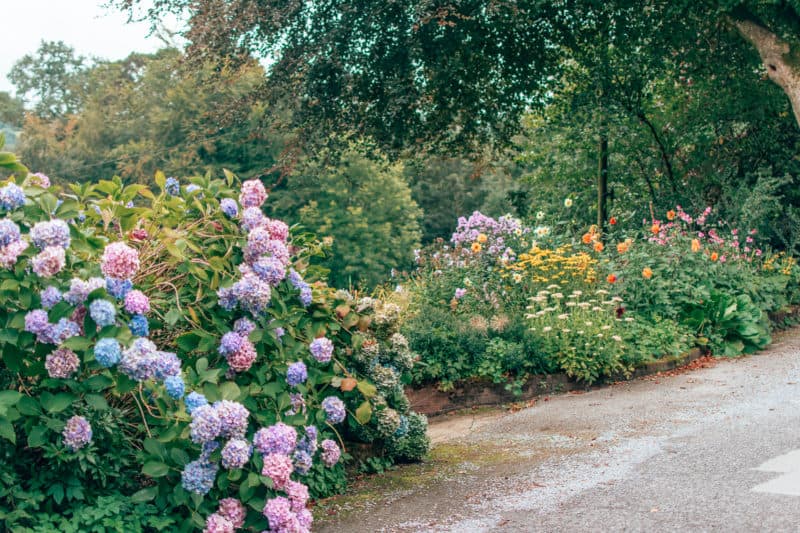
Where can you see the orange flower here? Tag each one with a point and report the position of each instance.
(670, 215)
(598, 246)
(612, 221)
(714, 256)
(647, 273)
(482, 238)
(622, 247)
(611, 278)
(655, 229)
(476, 247)
(587, 238)
(695, 245)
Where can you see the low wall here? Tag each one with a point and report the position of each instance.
(473, 393)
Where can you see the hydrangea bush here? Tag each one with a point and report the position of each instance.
(174, 334)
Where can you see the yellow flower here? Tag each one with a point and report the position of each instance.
(695, 245)
(482, 238)
(476, 247)
(647, 273)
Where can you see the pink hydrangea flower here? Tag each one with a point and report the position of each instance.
(242, 359)
(119, 261)
(216, 523)
(9, 254)
(49, 261)
(233, 510)
(253, 193)
(278, 468)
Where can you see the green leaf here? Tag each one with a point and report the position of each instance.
(367, 389)
(229, 390)
(154, 447)
(57, 403)
(28, 406)
(144, 495)
(364, 413)
(96, 402)
(9, 398)
(7, 430)
(172, 317)
(37, 436)
(155, 469)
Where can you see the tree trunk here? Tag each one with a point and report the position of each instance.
(782, 63)
(602, 182)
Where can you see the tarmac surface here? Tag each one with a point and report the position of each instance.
(712, 449)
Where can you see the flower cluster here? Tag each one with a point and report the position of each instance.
(77, 433)
(483, 233)
(11, 197)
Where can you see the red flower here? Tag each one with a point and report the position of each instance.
(139, 234)
(620, 311)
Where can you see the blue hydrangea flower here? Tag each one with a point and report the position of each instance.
(167, 364)
(107, 352)
(236, 453)
(50, 297)
(198, 476)
(192, 188)
(334, 409)
(172, 186)
(118, 288)
(227, 299)
(230, 343)
(9, 232)
(205, 425)
(50, 233)
(244, 327)
(139, 326)
(11, 196)
(229, 207)
(305, 296)
(194, 400)
(302, 462)
(129, 204)
(59, 332)
(296, 374)
(175, 387)
(309, 441)
(103, 312)
(81, 217)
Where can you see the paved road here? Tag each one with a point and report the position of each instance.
(717, 449)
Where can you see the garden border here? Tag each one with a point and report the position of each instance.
(431, 401)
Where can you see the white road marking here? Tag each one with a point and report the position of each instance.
(788, 484)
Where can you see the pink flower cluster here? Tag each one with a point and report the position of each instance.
(253, 194)
(229, 516)
(137, 303)
(119, 261)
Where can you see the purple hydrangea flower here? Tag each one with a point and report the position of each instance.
(61, 363)
(216, 523)
(9, 232)
(79, 290)
(330, 452)
(139, 361)
(252, 217)
(334, 409)
(298, 404)
(270, 269)
(137, 303)
(194, 400)
(50, 233)
(9, 254)
(166, 364)
(231, 342)
(49, 262)
(309, 441)
(119, 261)
(175, 386)
(36, 321)
(306, 297)
(302, 462)
(321, 349)
(227, 299)
(252, 293)
(278, 468)
(198, 476)
(118, 288)
(278, 438)
(205, 425)
(229, 207)
(107, 352)
(244, 327)
(296, 374)
(236, 453)
(233, 510)
(279, 513)
(59, 332)
(50, 297)
(11, 196)
(253, 193)
(77, 433)
(39, 180)
(232, 417)
(103, 312)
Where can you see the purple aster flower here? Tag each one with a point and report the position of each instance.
(229, 207)
(77, 433)
(9, 232)
(194, 400)
(175, 386)
(49, 262)
(330, 452)
(296, 374)
(278, 438)
(321, 349)
(232, 417)
(205, 425)
(334, 409)
(103, 312)
(244, 327)
(50, 233)
(107, 352)
(11, 196)
(137, 303)
(61, 363)
(118, 288)
(236, 453)
(230, 343)
(198, 476)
